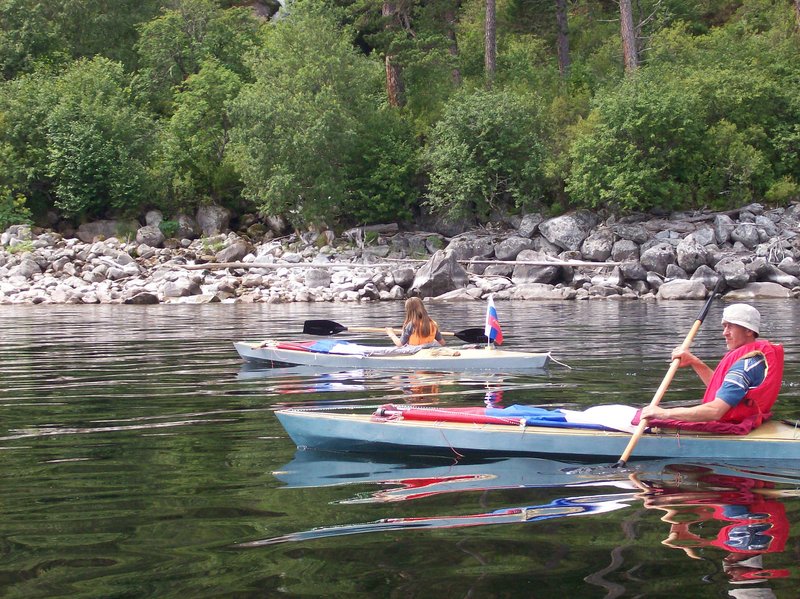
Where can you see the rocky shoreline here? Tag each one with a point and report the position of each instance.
(754, 250)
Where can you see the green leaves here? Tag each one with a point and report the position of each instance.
(299, 128)
(487, 152)
(711, 127)
(13, 209)
(97, 142)
(193, 158)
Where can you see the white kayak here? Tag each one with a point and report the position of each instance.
(455, 359)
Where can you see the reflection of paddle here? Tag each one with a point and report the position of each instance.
(329, 327)
(662, 389)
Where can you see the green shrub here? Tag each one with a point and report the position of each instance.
(639, 148)
(486, 153)
(22, 247)
(169, 227)
(783, 191)
(298, 129)
(384, 171)
(13, 210)
(98, 143)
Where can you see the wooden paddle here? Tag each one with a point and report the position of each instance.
(330, 327)
(662, 389)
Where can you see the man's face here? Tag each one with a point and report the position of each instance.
(736, 335)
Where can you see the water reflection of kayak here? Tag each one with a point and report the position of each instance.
(402, 478)
(744, 497)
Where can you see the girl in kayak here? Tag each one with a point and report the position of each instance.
(418, 327)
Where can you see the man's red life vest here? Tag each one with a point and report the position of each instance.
(757, 403)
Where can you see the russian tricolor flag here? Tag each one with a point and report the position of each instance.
(492, 330)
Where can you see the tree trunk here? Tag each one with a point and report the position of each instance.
(450, 24)
(629, 51)
(797, 12)
(490, 51)
(563, 37)
(395, 88)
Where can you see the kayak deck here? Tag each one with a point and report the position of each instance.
(330, 430)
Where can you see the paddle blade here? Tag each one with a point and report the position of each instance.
(475, 335)
(322, 327)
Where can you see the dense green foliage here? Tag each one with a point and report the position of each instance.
(13, 210)
(709, 123)
(300, 127)
(194, 162)
(486, 153)
(110, 108)
(97, 141)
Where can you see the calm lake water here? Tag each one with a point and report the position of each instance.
(141, 458)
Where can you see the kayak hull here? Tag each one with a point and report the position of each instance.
(468, 359)
(363, 433)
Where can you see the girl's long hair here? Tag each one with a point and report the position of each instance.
(417, 315)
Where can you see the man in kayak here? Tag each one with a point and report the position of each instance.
(418, 328)
(744, 385)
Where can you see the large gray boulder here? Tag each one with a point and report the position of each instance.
(471, 246)
(187, 227)
(691, 255)
(598, 245)
(707, 276)
(632, 270)
(181, 287)
(634, 232)
(767, 226)
(703, 236)
(150, 235)
(26, 268)
(440, 274)
(753, 291)
(746, 234)
(790, 266)
(213, 219)
(525, 274)
(529, 225)
(733, 271)
(509, 249)
(680, 289)
(564, 231)
(624, 250)
(233, 253)
(658, 257)
(723, 227)
(403, 276)
(775, 275)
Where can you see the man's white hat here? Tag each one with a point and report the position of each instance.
(744, 315)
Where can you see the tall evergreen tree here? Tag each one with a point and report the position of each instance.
(490, 42)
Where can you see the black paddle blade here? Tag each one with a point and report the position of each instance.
(322, 327)
(475, 335)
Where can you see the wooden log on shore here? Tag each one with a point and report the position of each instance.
(394, 263)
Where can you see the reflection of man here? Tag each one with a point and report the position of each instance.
(754, 524)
